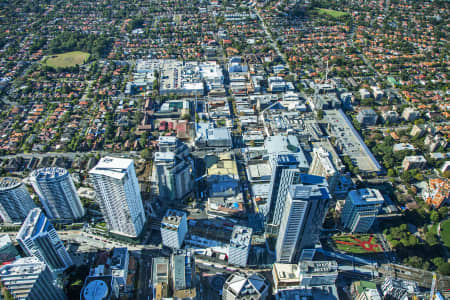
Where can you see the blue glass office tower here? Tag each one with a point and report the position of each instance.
(38, 238)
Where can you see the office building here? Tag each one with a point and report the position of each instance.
(174, 228)
(305, 210)
(174, 176)
(288, 177)
(57, 193)
(15, 201)
(37, 237)
(284, 174)
(183, 275)
(318, 273)
(29, 278)
(322, 165)
(7, 250)
(240, 286)
(360, 209)
(287, 161)
(239, 248)
(118, 195)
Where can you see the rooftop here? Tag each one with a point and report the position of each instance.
(241, 237)
(286, 272)
(160, 270)
(280, 144)
(35, 223)
(246, 284)
(324, 157)
(96, 288)
(182, 270)
(49, 173)
(306, 192)
(173, 217)
(366, 197)
(167, 139)
(164, 156)
(416, 158)
(317, 267)
(23, 266)
(9, 183)
(349, 142)
(224, 165)
(112, 167)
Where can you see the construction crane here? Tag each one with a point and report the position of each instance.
(433, 287)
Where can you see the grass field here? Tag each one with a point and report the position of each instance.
(357, 244)
(332, 13)
(445, 233)
(68, 59)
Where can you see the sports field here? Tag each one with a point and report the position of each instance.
(445, 233)
(357, 244)
(68, 59)
(332, 13)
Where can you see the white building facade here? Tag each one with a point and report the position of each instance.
(118, 195)
(57, 193)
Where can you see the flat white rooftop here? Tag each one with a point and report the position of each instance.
(112, 167)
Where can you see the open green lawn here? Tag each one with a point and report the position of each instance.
(445, 233)
(332, 13)
(357, 244)
(68, 59)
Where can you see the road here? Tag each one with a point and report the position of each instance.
(70, 155)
